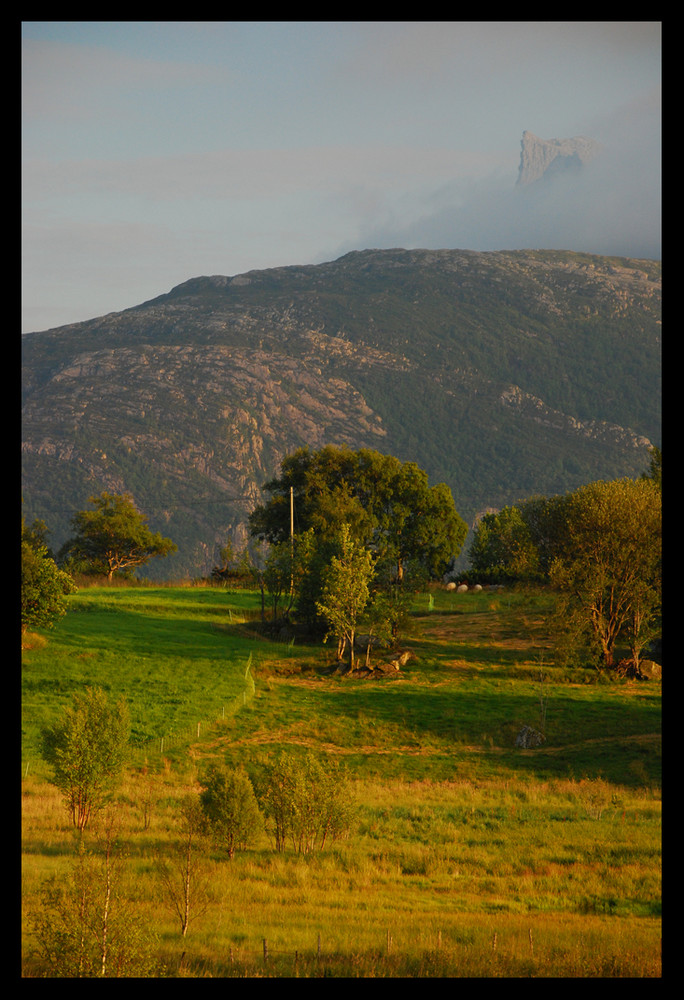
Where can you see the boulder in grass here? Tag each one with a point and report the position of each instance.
(651, 670)
(528, 738)
(643, 671)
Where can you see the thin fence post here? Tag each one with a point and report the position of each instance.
(265, 951)
(319, 945)
(531, 944)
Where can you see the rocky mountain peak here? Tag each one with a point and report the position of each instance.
(545, 158)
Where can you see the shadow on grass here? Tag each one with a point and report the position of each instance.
(589, 732)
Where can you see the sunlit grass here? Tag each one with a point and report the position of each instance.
(468, 857)
(434, 876)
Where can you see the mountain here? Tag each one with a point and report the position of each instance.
(503, 374)
(542, 159)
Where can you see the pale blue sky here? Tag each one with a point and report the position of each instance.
(156, 151)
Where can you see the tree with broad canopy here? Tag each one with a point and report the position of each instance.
(114, 537)
(388, 505)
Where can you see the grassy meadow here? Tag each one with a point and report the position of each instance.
(468, 857)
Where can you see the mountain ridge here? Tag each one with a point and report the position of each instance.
(502, 373)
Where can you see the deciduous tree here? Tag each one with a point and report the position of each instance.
(230, 807)
(388, 505)
(608, 571)
(308, 801)
(114, 537)
(84, 929)
(87, 750)
(181, 870)
(346, 591)
(44, 588)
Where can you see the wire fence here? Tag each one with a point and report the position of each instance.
(181, 737)
(204, 727)
(266, 954)
(253, 959)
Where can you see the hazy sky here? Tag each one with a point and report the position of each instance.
(157, 151)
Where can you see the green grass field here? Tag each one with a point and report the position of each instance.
(469, 857)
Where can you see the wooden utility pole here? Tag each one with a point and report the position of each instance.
(291, 544)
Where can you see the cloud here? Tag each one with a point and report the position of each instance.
(611, 207)
(64, 81)
(251, 173)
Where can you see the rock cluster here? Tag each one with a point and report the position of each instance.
(382, 669)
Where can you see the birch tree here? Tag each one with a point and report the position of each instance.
(87, 750)
(346, 591)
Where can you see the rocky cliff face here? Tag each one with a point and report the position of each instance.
(546, 158)
(501, 374)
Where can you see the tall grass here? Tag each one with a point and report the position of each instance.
(435, 880)
(467, 858)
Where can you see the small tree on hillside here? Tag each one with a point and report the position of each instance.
(608, 572)
(181, 870)
(87, 750)
(44, 588)
(114, 537)
(308, 802)
(230, 808)
(85, 929)
(346, 591)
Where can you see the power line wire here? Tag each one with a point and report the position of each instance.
(160, 505)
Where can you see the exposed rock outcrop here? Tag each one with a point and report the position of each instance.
(546, 158)
(489, 370)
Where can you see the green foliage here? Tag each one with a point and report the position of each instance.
(307, 801)
(84, 930)
(655, 468)
(230, 808)
(387, 614)
(114, 537)
(389, 506)
(87, 750)
(502, 547)
(44, 587)
(600, 547)
(288, 565)
(608, 569)
(388, 515)
(346, 591)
